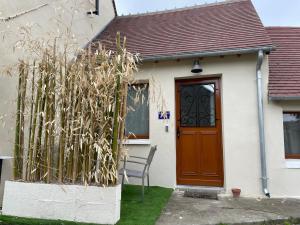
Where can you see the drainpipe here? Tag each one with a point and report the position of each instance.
(261, 121)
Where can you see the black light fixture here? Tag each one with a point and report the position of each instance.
(197, 67)
(96, 12)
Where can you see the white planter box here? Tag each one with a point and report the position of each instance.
(88, 204)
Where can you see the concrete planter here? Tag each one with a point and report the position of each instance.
(87, 204)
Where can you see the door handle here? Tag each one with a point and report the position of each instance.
(178, 132)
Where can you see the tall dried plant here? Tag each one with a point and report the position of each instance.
(75, 114)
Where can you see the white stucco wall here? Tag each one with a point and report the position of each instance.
(240, 126)
(45, 22)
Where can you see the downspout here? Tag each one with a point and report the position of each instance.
(261, 121)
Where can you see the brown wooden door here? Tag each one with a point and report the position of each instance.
(199, 141)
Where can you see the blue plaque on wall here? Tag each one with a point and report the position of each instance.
(164, 115)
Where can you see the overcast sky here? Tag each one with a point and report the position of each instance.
(272, 12)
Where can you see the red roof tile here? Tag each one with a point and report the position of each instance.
(229, 25)
(284, 62)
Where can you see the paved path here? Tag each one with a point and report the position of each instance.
(195, 211)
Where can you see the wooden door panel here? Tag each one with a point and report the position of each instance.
(198, 122)
(209, 154)
(188, 168)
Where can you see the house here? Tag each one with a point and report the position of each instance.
(44, 18)
(232, 121)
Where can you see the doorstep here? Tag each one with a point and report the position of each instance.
(199, 188)
(201, 191)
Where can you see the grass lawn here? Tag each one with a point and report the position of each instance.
(133, 211)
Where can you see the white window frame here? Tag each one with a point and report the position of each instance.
(140, 141)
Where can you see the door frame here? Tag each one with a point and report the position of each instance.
(218, 102)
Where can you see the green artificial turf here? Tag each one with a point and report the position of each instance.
(133, 210)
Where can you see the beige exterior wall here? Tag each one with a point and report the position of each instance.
(240, 126)
(44, 25)
(284, 181)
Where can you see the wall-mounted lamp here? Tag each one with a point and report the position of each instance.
(97, 8)
(197, 68)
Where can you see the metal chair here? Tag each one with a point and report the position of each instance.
(146, 162)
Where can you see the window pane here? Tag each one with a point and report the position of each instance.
(137, 119)
(291, 123)
(197, 105)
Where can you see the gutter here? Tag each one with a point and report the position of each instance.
(261, 121)
(189, 55)
(284, 98)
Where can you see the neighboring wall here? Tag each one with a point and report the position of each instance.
(53, 17)
(240, 126)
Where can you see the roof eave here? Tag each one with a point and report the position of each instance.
(188, 55)
(284, 98)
